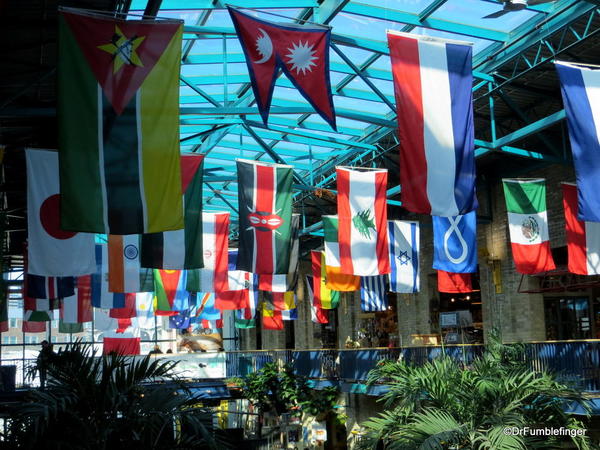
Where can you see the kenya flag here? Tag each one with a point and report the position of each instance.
(528, 224)
(265, 207)
(362, 221)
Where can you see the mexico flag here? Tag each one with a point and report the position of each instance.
(118, 119)
(362, 212)
(583, 238)
(180, 249)
(528, 224)
(265, 208)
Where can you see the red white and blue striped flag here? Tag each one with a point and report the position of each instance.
(432, 81)
(580, 88)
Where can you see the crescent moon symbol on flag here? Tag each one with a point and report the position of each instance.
(264, 47)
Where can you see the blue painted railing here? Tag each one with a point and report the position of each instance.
(576, 362)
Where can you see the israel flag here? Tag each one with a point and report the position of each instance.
(404, 256)
(580, 88)
(373, 293)
(455, 243)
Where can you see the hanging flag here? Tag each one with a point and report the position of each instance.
(432, 82)
(169, 291)
(281, 301)
(39, 286)
(180, 249)
(212, 324)
(52, 251)
(452, 283)
(125, 340)
(33, 326)
(404, 256)
(118, 119)
(528, 224)
(249, 313)
(285, 282)
(101, 297)
(300, 51)
(244, 323)
(583, 238)
(289, 314)
(265, 206)
(181, 321)
(126, 312)
(237, 295)
(362, 221)
(125, 273)
(3, 310)
(336, 280)
(271, 320)
(206, 309)
(373, 293)
(455, 243)
(323, 297)
(77, 308)
(69, 328)
(215, 242)
(144, 310)
(580, 89)
(317, 314)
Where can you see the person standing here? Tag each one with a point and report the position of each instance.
(46, 354)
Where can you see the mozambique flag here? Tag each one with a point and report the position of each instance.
(180, 249)
(118, 110)
(265, 205)
(169, 290)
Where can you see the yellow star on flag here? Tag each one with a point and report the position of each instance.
(123, 50)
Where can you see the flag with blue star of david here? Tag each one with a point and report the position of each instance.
(404, 256)
(455, 243)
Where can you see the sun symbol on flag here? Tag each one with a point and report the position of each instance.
(301, 57)
(123, 50)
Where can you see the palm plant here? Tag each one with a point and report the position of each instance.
(444, 404)
(109, 402)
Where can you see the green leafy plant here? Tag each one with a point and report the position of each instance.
(109, 402)
(444, 404)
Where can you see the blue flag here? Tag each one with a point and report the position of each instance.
(579, 86)
(373, 293)
(455, 243)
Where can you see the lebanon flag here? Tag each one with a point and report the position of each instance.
(77, 308)
(583, 238)
(52, 252)
(580, 89)
(432, 82)
(452, 283)
(215, 242)
(362, 221)
(335, 279)
(265, 206)
(302, 52)
(528, 224)
(118, 118)
(323, 297)
(125, 273)
(180, 249)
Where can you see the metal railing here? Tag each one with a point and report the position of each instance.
(574, 362)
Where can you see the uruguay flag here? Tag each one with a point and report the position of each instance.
(404, 256)
(455, 243)
(580, 88)
(432, 83)
(373, 293)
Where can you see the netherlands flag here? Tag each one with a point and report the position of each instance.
(432, 83)
(580, 88)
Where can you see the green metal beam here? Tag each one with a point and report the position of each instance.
(530, 129)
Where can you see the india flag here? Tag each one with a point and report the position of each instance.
(528, 224)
